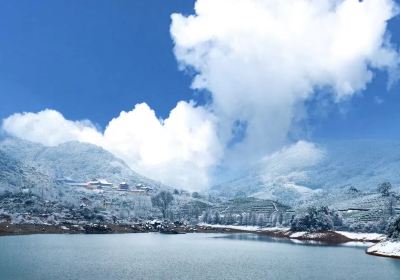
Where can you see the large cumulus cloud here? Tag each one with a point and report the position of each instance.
(261, 59)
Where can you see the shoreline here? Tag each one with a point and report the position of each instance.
(333, 237)
(380, 247)
(386, 248)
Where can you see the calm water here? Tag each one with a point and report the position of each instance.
(189, 256)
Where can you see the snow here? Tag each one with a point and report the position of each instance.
(360, 236)
(80, 162)
(357, 244)
(297, 234)
(247, 228)
(285, 230)
(360, 163)
(307, 235)
(386, 248)
(354, 236)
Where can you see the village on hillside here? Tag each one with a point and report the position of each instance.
(103, 185)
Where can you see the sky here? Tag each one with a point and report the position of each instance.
(211, 89)
(89, 59)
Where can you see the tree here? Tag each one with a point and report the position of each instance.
(239, 219)
(394, 229)
(385, 188)
(162, 200)
(217, 218)
(195, 213)
(210, 218)
(252, 219)
(261, 220)
(245, 219)
(228, 219)
(315, 219)
(392, 199)
(353, 190)
(205, 217)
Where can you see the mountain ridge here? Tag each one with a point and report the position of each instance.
(75, 160)
(362, 164)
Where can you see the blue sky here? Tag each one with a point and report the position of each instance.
(89, 59)
(92, 59)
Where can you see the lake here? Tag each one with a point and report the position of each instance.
(187, 256)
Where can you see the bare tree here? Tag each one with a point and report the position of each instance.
(162, 200)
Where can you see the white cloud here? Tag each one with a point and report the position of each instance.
(261, 59)
(179, 150)
(50, 128)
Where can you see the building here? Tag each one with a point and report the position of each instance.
(98, 183)
(146, 189)
(123, 186)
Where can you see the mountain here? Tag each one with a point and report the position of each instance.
(255, 185)
(15, 176)
(362, 164)
(75, 160)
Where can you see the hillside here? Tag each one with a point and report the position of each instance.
(75, 160)
(15, 176)
(362, 164)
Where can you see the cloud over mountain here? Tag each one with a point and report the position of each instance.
(178, 150)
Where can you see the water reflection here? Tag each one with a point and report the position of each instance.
(266, 238)
(188, 256)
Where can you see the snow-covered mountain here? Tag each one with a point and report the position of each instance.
(15, 176)
(362, 164)
(75, 160)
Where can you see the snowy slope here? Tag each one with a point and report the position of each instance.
(75, 160)
(14, 176)
(362, 164)
(388, 248)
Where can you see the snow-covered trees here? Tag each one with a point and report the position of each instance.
(162, 201)
(228, 219)
(217, 218)
(261, 220)
(394, 229)
(384, 188)
(313, 220)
